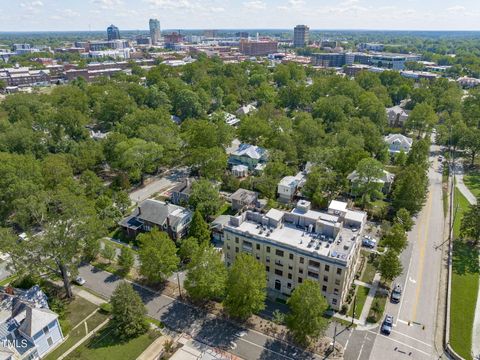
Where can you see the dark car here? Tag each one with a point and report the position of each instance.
(396, 294)
(387, 325)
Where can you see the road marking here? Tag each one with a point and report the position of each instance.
(411, 337)
(361, 348)
(262, 347)
(401, 343)
(412, 280)
(346, 343)
(422, 254)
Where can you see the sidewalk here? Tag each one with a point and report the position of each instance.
(153, 351)
(369, 300)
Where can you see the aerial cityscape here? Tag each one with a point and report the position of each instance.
(265, 187)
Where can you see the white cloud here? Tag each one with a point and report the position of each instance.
(107, 4)
(173, 4)
(255, 5)
(457, 9)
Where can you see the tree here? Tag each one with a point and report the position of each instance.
(421, 119)
(396, 238)
(205, 198)
(158, 255)
(470, 142)
(306, 319)
(126, 259)
(470, 227)
(188, 247)
(404, 218)
(206, 274)
(186, 104)
(108, 251)
(389, 265)
(128, 312)
(199, 228)
(366, 183)
(246, 287)
(409, 188)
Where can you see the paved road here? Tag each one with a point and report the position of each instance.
(415, 317)
(201, 326)
(159, 184)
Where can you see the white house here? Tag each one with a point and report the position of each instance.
(398, 142)
(386, 181)
(28, 328)
(289, 185)
(246, 109)
(397, 116)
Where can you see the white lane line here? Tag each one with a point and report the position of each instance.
(401, 343)
(262, 347)
(361, 348)
(402, 321)
(412, 338)
(346, 344)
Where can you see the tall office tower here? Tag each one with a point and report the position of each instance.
(113, 33)
(301, 34)
(154, 30)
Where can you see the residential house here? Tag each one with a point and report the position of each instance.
(180, 194)
(397, 116)
(28, 328)
(398, 142)
(386, 180)
(246, 109)
(240, 171)
(254, 157)
(244, 198)
(172, 219)
(288, 187)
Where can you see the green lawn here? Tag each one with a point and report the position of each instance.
(368, 273)
(472, 180)
(378, 307)
(74, 336)
(77, 310)
(465, 282)
(105, 346)
(361, 294)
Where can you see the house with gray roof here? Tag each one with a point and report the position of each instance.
(398, 142)
(385, 181)
(28, 328)
(249, 155)
(150, 213)
(397, 116)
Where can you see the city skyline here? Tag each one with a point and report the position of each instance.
(55, 15)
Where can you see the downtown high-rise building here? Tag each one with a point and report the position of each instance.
(154, 25)
(301, 35)
(113, 33)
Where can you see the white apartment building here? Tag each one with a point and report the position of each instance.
(299, 245)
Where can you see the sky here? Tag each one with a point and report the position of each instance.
(64, 15)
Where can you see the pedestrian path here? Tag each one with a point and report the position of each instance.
(155, 349)
(370, 297)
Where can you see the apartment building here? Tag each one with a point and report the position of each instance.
(301, 36)
(260, 47)
(300, 244)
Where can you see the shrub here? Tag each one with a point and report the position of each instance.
(106, 308)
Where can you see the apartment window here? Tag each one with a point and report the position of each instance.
(267, 259)
(327, 267)
(325, 278)
(335, 291)
(46, 330)
(302, 260)
(267, 268)
(300, 280)
(268, 249)
(236, 249)
(236, 240)
(258, 257)
(279, 253)
(324, 288)
(289, 285)
(228, 246)
(258, 246)
(314, 264)
(334, 301)
(300, 270)
(337, 282)
(228, 256)
(278, 272)
(312, 274)
(291, 256)
(339, 271)
(247, 243)
(49, 341)
(290, 267)
(290, 276)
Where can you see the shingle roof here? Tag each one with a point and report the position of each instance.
(35, 320)
(155, 211)
(252, 151)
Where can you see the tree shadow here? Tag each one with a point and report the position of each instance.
(465, 258)
(275, 349)
(181, 317)
(218, 333)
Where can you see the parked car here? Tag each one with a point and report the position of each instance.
(396, 294)
(369, 242)
(80, 281)
(387, 325)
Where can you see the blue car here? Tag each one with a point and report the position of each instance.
(369, 243)
(387, 325)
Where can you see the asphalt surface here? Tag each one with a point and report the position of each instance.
(201, 326)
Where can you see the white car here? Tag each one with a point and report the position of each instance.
(80, 281)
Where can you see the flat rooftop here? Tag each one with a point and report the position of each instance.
(298, 238)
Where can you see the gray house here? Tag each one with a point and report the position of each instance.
(244, 198)
(29, 330)
(172, 219)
